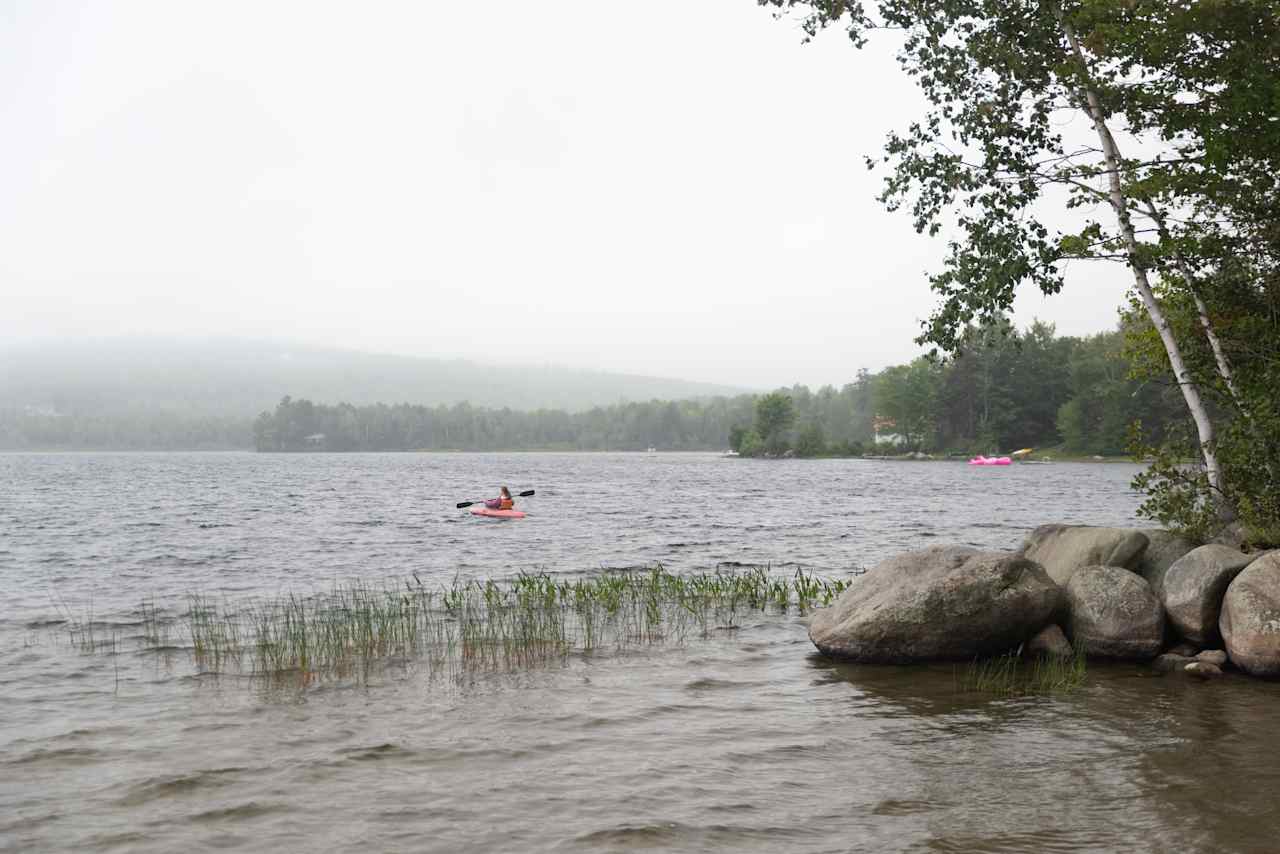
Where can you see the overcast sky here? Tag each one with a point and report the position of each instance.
(669, 187)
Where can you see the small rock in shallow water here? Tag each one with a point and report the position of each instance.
(1203, 670)
(1186, 650)
(1169, 662)
(1216, 657)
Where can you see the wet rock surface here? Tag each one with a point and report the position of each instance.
(1212, 656)
(1170, 662)
(1203, 670)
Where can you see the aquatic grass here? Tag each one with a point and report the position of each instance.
(531, 619)
(79, 631)
(812, 591)
(1051, 674)
(155, 629)
(85, 632)
(1014, 675)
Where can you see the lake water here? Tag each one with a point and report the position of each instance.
(747, 741)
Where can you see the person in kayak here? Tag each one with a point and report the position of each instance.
(504, 501)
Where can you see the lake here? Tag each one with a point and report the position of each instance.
(744, 741)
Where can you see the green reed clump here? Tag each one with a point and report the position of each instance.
(528, 620)
(215, 631)
(1012, 674)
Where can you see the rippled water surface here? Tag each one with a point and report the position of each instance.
(747, 741)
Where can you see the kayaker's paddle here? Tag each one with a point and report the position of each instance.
(524, 494)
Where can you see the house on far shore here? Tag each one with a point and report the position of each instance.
(881, 427)
(315, 440)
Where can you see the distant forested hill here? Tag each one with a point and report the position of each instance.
(239, 379)
(1008, 389)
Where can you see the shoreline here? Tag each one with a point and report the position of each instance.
(905, 458)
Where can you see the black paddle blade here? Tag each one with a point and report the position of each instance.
(526, 494)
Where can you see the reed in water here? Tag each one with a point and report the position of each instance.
(467, 625)
(1013, 675)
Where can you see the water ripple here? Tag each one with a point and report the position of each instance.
(745, 741)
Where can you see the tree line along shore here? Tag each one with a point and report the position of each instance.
(1029, 388)
(1006, 389)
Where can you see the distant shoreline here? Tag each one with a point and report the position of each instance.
(458, 451)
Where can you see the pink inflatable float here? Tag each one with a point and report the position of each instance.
(980, 460)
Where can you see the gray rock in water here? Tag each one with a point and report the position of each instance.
(1194, 587)
(1215, 657)
(1164, 548)
(1063, 549)
(1203, 670)
(1250, 622)
(1168, 663)
(1114, 614)
(940, 603)
(1186, 650)
(1050, 642)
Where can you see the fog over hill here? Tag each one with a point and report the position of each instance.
(242, 378)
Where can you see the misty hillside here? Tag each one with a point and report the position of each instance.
(237, 378)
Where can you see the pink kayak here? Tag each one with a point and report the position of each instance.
(497, 514)
(980, 460)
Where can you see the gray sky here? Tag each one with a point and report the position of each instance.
(670, 187)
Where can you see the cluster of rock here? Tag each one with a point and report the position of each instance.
(1115, 593)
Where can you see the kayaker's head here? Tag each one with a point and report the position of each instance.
(506, 493)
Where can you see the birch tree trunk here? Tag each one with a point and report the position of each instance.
(1092, 107)
(1202, 310)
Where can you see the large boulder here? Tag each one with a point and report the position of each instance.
(1163, 550)
(1194, 586)
(1114, 614)
(1063, 549)
(1250, 621)
(940, 603)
